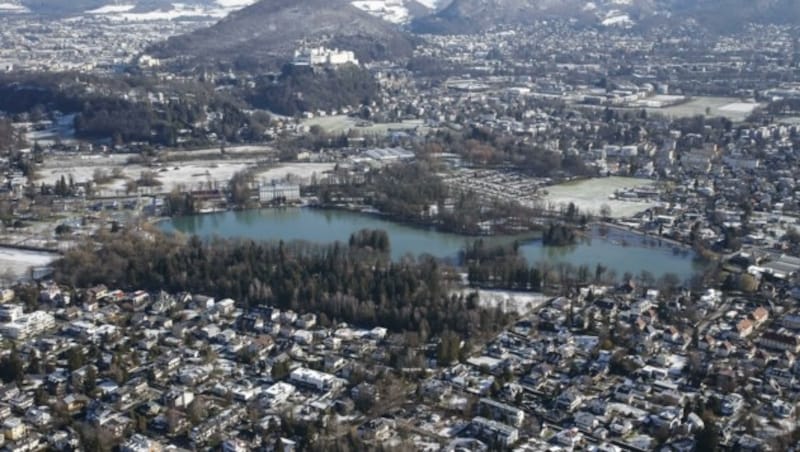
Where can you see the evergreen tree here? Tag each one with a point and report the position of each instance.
(11, 368)
(707, 440)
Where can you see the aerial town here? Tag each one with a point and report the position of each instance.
(550, 235)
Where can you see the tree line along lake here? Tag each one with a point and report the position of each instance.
(618, 250)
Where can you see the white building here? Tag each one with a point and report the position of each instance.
(791, 321)
(314, 379)
(178, 398)
(279, 192)
(780, 340)
(38, 416)
(140, 443)
(14, 429)
(321, 56)
(502, 412)
(279, 392)
(10, 312)
(570, 438)
(147, 61)
(495, 431)
(28, 325)
(234, 445)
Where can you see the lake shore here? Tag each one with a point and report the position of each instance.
(631, 230)
(324, 226)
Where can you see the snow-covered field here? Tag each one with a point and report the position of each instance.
(216, 152)
(195, 175)
(208, 171)
(332, 124)
(200, 174)
(16, 263)
(63, 129)
(296, 172)
(739, 107)
(80, 168)
(343, 124)
(589, 195)
(727, 107)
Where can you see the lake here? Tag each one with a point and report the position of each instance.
(616, 249)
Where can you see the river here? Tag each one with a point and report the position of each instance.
(618, 250)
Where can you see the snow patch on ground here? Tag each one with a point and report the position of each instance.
(739, 107)
(196, 175)
(300, 173)
(16, 263)
(589, 195)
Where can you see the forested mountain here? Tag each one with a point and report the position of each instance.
(270, 30)
(469, 16)
(728, 15)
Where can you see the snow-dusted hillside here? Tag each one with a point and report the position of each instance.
(400, 11)
(12, 7)
(394, 11)
(131, 12)
(126, 10)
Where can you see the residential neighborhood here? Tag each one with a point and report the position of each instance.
(390, 225)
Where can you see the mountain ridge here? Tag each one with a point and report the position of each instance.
(471, 16)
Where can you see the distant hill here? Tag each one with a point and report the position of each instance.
(270, 30)
(132, 8)
(60, 7)
(727, 15)
(470, 16)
